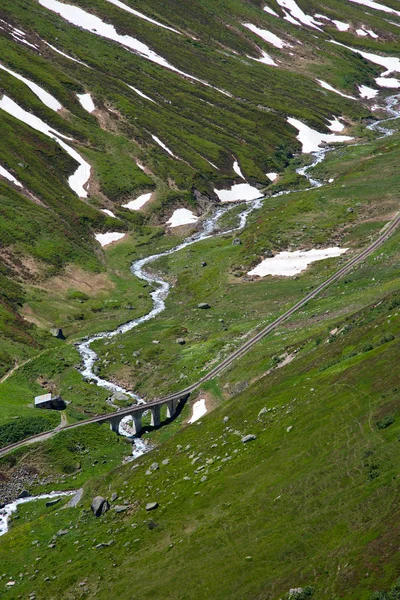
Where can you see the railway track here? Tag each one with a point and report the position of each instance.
(385, 234)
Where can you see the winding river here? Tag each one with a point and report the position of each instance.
(161, 287)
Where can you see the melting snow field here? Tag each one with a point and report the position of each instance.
(291, 263)
(367, 92)
(87, 102)
(90, 22)
(182, 216)
(107, 238)
(7, 175)
(272, 176)
(44, 96)
(199, 410)
(82, 174)
(240, 191)
(311, 139)
(139, 202)
(268, 36)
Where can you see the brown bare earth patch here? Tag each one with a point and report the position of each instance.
(24, 268)
(76, 278)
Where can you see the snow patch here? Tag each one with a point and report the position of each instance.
(311, 139)
(240, 191)
(361, 32)
(182, 216)
(82, 174)
(237, 169)
(107, 238)
(87, 102)
(291, 263)
(367, 92)
(298, 14)
(387, 82)
(272, 176)
(7, 175)
(267, 36)
(270, 11)
(47, 99)
(340, 25)
(265, 58)
(199, 410)
(139, 202)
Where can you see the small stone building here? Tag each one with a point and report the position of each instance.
(49, 401)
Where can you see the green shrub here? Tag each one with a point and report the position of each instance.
(23, 427)
(385, 422)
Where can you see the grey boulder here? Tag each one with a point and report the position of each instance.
(99, 506)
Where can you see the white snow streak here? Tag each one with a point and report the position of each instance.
(47, 99)
(82, 174)
(7, 175)
(141, 93)
(328, 87)
(141, 15)
(267, 36)
(139, 202)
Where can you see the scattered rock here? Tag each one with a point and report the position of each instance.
(180, 341)
(262, 412)
(203, 305)
(203, 264)
(226, 419)
(120, 508)
(288, 429)
(57, 333)
(350, 210)
(24, 494)
(151, 506)
(105, 544)
(236, 242)
(248, 438)
(114, 496)
(120, 396)
(154, 466)
(61, 532)
(99, 506)
(269, 254)
(165, 461)
(136, 353)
